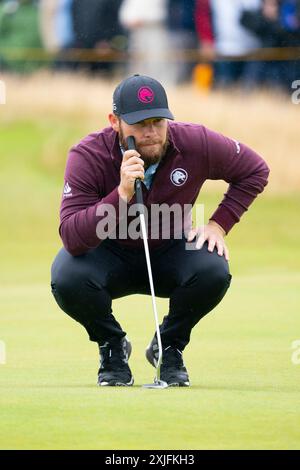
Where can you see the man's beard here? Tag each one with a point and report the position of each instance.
(149, 154)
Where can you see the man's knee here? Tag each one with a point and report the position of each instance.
(208, 286)
(218, 276)
(214, 277)
(75, 280)
(67, 276)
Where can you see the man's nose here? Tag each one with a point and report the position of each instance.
(149, 129)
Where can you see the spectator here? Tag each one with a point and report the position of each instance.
(204, 27)
(277, 24)
(64, 31)
(290, 20)
(221, 34)
(148, 38)
(56, 25)
(97, 27)
(63, 24)
(47, 15)
(183, 38)
(289, 13)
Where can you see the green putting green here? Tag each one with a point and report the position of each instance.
(245, 387)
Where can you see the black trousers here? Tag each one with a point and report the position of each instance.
(195, 281)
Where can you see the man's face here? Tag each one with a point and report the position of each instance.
(150, 138)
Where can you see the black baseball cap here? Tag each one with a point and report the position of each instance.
(140, 97)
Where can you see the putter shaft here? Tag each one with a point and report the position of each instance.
(139, 198)
(145, 240)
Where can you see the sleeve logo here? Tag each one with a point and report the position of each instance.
(67, 190)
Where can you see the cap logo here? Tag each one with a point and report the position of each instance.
(145, 95)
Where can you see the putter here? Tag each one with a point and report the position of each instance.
(139, 198)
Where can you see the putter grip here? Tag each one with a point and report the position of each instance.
(138, 183)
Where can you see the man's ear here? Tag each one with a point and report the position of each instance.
(114, 122)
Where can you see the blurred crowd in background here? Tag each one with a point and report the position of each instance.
(172, 40)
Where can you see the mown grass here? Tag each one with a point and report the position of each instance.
(245, 388)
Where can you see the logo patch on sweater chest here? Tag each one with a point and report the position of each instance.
(179, 176)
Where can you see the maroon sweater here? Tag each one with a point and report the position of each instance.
(93, 175)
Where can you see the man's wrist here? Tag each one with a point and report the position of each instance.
(122, 194)
(215, 224)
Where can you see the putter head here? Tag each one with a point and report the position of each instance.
(156, 384)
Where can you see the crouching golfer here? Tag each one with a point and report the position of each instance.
(173, 160)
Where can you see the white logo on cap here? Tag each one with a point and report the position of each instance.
(179, 176)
